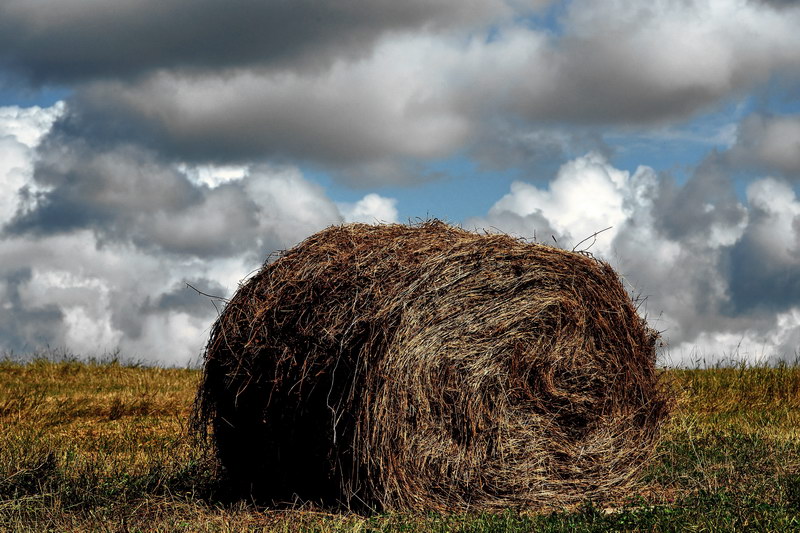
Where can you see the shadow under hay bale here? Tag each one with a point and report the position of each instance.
(427, 367)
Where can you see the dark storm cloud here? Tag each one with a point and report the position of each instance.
(601, 81)
(127, 194)
(540, 151)
(24, 328)
(129, 316)
(362, 132)
(64, 41)
(194, 297)
(505, 147)
(105, 189)
(226, 120)
(420, 95)
(770, 143)
(632, 63)
(706, 200)
(764, 265)
(758, 283)
(780, 3)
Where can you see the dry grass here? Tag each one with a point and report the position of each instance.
(72, 461)
(430, 368)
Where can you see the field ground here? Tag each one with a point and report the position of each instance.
(102, 446)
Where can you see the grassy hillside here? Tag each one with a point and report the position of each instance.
(103, 446)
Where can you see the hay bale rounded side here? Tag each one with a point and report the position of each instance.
(427, 367)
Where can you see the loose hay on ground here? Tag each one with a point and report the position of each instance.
(427, 367)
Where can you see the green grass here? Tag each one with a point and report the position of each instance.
(102, 446)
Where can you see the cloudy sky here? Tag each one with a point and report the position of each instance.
(149, 144)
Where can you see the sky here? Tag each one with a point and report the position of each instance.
(150, 145)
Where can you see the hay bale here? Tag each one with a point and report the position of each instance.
(427, 367)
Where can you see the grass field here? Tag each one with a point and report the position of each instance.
(102, 446)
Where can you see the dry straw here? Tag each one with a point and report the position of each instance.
(430, 368)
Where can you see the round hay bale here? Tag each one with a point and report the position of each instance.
(427, 367)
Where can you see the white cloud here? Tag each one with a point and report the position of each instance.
(86, 334)
(176, 337)
(213, 175)
(779, 342)
(28, 124)
(371, 209)
(108, 296)
(16, 168)
(21, 129)
(587, 195)
(290, 207)
(721, 347)
(92, 292)
(692, 295)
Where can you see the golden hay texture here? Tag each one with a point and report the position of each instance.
(430, 368)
